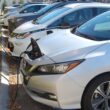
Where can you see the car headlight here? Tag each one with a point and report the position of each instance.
(23, 36)
(59, 68)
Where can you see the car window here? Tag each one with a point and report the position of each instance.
(74, 18)
(86, 14)
(97, 28)
(101, 10)
(31, 9)
(51, 15)
(46, 9)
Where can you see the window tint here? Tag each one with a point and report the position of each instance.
(101, 10)
(74, 18)
(86, 14)
(31, 9)
(97, 28)
(46, 9)
(51, 15)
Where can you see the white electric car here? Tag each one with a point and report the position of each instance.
(9, 9)
(70, 15)
(71, 71)
(25, 10)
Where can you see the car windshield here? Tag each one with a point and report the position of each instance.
(96, 29)
(45, 9)
(21, 6)
(51, 15)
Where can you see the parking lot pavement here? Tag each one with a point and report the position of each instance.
(4, 85)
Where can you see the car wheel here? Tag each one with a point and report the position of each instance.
(97, 94)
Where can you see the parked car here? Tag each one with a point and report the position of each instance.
(15, 22)
(10, 8)
(25, 10)
(68, 16)
(71, 71)
(12, 11)
(14, 7)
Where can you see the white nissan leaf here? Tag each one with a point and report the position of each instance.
(58, 20)
(24, 10)
(71, 71)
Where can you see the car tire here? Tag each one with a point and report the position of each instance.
(96, 93)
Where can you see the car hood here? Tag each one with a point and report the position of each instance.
(28, 27)
(10, 13)
(10, 7)
(65, 46)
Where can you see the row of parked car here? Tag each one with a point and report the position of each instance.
(65, 50)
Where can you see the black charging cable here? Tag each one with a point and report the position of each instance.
(17, 86)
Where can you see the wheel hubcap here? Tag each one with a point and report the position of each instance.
(101, 97)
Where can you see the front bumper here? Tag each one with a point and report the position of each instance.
(58, 91)
(40, 95)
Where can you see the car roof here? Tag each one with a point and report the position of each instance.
(81, 4)
(35, 3)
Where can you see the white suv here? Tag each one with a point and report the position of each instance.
(68, 16)
(71, 71)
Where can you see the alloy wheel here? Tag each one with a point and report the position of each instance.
(101, 97)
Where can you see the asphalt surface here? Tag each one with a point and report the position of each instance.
(4, 86)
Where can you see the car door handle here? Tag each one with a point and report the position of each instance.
(49, 32)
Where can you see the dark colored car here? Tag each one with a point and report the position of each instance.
(14, 23)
